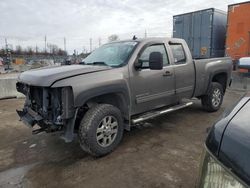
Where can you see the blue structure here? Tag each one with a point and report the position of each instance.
(204, 31)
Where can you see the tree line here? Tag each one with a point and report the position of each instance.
(51, 49)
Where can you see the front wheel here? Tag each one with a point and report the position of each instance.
(213, 100)
(101, 129)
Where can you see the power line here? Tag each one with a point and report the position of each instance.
(45, 44)
(64, 43)
(90, 44)
(76, 42)
(100, 42)
(6, 44)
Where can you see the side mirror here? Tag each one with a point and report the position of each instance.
(138, 64)
(155, 61)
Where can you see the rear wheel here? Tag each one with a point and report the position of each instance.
(101, 129)
(213, 100)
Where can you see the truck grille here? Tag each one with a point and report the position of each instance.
(43, 100)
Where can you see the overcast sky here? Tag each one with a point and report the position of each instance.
(26, 22)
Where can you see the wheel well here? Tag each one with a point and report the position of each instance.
(222, 79)
(116, 99)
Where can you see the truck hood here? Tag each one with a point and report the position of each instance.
(45, 77)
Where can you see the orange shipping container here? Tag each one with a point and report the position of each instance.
(238, 30)
(19, 61)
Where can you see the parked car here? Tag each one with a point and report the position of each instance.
(66, 61)
(244, 65)
(227, 150)
(119, 85)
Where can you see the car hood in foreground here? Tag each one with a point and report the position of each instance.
(229, 140)
(235, 144)
(47, 76)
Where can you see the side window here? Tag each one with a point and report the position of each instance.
(178, 53)
(144, 58)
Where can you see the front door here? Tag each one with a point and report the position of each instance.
(152, 88)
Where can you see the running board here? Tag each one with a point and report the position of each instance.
(154, 114)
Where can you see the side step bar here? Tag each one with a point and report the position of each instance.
(154, 114)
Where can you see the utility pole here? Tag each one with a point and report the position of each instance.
(64, 42)
(90, 45)
(6, 45)
(8, 56)
(84, 51)
(145, 34)
(45, 44)
(100, 41)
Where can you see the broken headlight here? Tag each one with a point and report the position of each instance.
(214, 175)
(22, 88)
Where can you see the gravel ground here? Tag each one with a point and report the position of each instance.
(164, 152)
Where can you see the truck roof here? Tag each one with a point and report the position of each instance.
(152, 39)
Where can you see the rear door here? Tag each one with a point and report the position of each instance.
(152, 88)
(184, 71)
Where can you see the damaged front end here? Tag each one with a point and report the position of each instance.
(52, 109)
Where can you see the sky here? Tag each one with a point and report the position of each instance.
(27, 22)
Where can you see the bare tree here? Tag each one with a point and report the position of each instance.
(61, 52)
(30, 50)
(19, 50)
(113, 37)
(53, 48)
(2, 52)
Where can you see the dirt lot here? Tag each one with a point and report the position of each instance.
(164, 152)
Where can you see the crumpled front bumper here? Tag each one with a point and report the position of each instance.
(29, 117)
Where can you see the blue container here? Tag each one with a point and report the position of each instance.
(204, 31)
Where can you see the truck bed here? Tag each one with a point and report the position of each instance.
(207, 67)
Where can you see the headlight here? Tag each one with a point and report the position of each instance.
(22, 88)
(213, 175)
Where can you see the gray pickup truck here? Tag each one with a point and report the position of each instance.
(117, 86)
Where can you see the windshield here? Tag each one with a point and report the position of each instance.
(113, 54)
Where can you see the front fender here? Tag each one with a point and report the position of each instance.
(82, 97)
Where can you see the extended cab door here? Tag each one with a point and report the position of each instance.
(152, 88)
(184, 70)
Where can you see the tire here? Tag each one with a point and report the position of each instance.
(213, 100)
(101, 130)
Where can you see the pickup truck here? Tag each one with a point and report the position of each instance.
(117, 86)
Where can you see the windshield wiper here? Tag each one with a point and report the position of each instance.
(97, 63)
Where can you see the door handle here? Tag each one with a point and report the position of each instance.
(167, 73)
